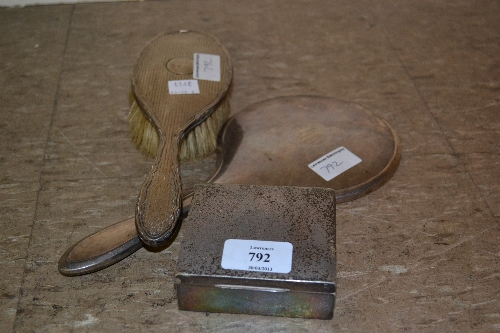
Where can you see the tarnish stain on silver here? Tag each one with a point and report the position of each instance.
(304, 217)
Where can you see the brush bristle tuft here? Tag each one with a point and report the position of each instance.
(200, 142)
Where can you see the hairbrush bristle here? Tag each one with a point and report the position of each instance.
(198, 143)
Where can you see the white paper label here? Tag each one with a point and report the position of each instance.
(183, 87)
(334, 163)
(206, 67)
(259, 256)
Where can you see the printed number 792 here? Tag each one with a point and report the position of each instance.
(259, 256)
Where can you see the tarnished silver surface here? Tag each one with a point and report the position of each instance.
(272, 143)
(304, 217)
(70, 265)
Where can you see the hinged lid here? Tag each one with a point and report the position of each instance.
(303, 217)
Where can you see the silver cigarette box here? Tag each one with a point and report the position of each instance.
(264, 250)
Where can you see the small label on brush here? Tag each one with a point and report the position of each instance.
(257, 256)
(183, 87)
(206, 67)
(334, 163)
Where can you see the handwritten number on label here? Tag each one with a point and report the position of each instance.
(259, 256)
(182, 84)
(207, 65)
(332, 165)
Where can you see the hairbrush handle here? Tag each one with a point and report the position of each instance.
(159, 204)
(106, 247)
(101, 249)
